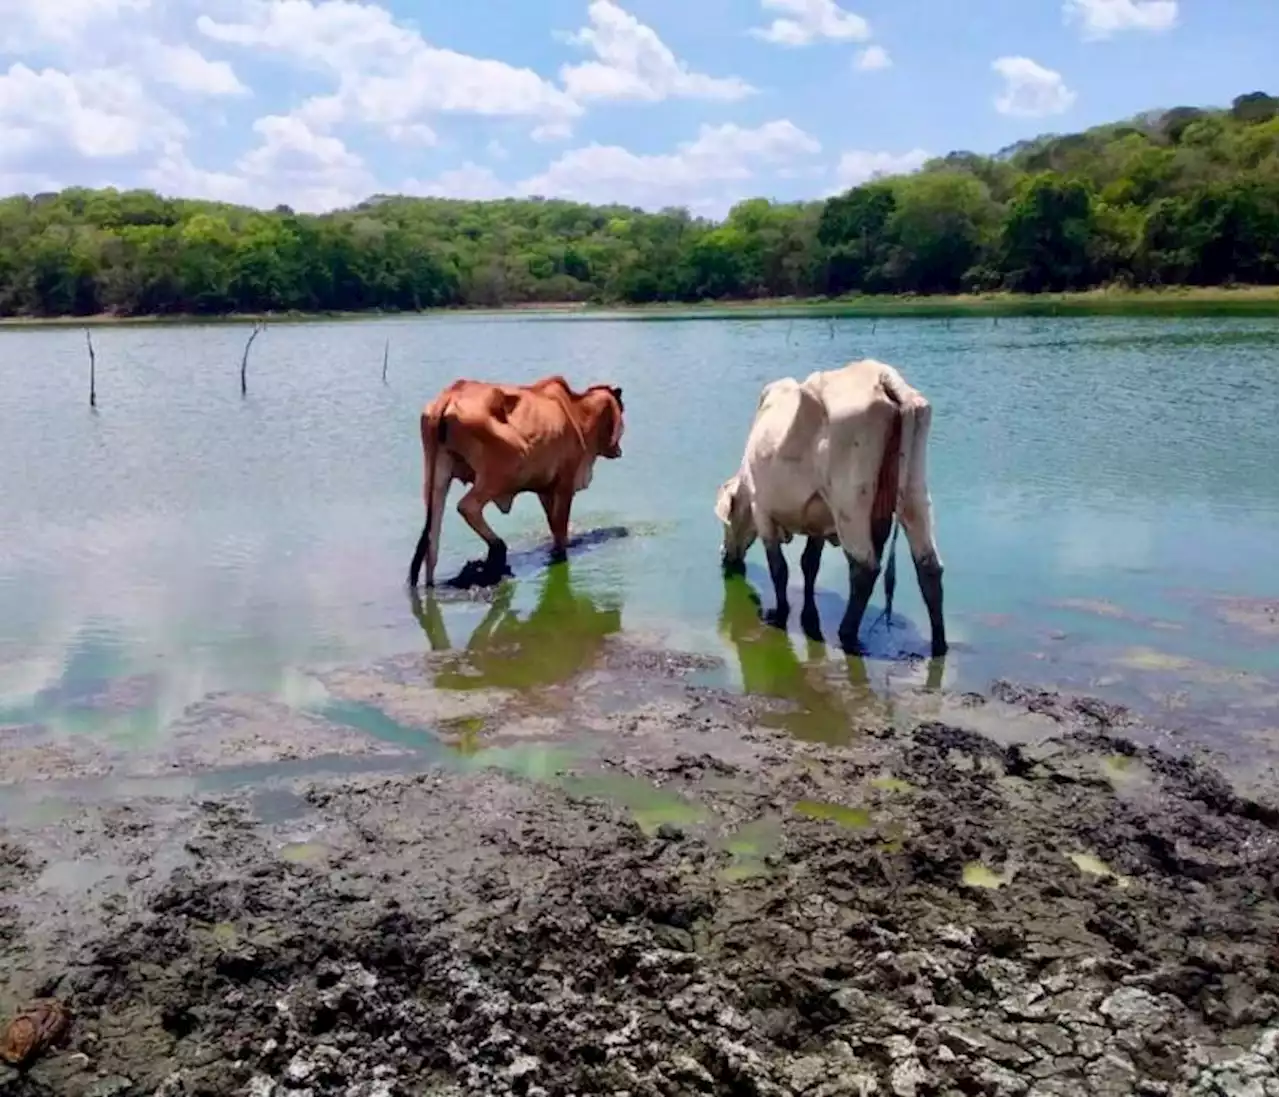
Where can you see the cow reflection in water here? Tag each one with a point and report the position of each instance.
(769, 666)
(560, 637)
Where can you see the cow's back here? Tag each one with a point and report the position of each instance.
(859, 409)
(860, 435)
(782, 460)
(786, 424)
(852, 392)
(521, 436)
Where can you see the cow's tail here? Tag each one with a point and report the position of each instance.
(433, 437)
(907, 426)
(891, 572)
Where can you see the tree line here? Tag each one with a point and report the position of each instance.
(1177, 197)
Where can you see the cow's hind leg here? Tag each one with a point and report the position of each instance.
(880, 529)
(917, 524)
(810, 561)
(854, 527)
(916, 515)
(494, 566)
(862, 581)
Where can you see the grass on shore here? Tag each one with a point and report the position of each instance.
(1183, 300)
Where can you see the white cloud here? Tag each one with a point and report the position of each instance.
(388, 76)
(185, 68)
(470, 181)
(695, 173)
(94, 34)
(704, 174)
(1030, 90)
(81, 115)
(872, 58)
(810, 21)
(290, 145)
(98, 114)
(26, 182)
(291, 164)
(173, 173)
(31, 24)
(634, 63)
(551, 131)
(858, 166)
(329, 34)
(1103, 18)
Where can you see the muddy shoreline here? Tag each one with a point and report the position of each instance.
(623, 882)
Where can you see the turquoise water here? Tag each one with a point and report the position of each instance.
(1098, 484)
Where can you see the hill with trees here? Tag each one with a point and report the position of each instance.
(1176, 197)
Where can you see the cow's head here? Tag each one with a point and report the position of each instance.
(608, 425)
(733, 508)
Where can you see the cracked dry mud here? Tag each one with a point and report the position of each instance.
(921, 911)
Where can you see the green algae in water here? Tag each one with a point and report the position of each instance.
(748, 847)
(740, 871)
(1092, 865)
(1122, 768)
(536, 761)
(676, 810)
(225, 934)
(650, 807)
(977, 875)
(853, 818)
(466, 732)
(303, 853)
(1140, 658)
(888, 783)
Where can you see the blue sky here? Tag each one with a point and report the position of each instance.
(319, 103)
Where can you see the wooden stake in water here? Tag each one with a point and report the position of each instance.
(244, 361)
(386, 350)
(93, 370)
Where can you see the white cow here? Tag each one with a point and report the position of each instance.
(835, 457)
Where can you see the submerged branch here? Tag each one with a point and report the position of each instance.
(93, 370)
(259, 326)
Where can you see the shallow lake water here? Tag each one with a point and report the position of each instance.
(1103, 488)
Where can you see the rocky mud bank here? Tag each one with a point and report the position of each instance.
(703, 904)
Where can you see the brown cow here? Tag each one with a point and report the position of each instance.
(505, 440)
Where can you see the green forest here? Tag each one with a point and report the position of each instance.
(1181, 197)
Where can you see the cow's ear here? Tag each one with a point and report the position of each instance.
(724, 499)
(617, 395)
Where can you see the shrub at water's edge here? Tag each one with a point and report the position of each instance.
(1184, 197)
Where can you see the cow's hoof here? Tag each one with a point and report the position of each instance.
(492, 572)
(850, 643)
(811, 624)
(776, 617)
(474, 573)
